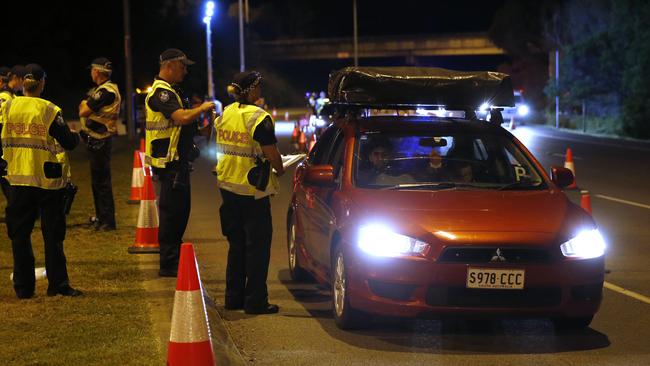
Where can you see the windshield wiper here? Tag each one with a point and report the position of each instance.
(434, 186)
(517, 185)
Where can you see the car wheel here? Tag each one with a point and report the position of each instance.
(565, 323)
(345, 316)
(296, 272)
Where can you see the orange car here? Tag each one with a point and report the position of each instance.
(419, 214)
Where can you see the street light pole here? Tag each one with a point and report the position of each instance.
(242, 64)
(209, 12)
(356, 35)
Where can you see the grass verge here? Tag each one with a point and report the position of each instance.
(110, 324)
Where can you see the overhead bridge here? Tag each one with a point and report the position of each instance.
(463, 44)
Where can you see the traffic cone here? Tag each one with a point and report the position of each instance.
(189, 341)
(302, 141)
(568, 163)
(312, 141)
(146, 230)
(295, 134)
(142, 145)
(512, 123)
(585, 201)
(137, 178)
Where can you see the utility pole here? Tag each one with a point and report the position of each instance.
(356, 35)
(557, 88)
(209, 12)
(130, 122)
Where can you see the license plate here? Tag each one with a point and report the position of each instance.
(495, 278)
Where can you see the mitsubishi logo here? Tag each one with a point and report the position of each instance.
(498, 257)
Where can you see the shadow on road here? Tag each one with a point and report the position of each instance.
(452, 336)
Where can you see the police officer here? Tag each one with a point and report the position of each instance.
(170, 129)
(246, 151)
(34, 139)
(98, 114)
(11, 82)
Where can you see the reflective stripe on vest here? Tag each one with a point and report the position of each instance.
(158, 127)
(5, 95)
(27, 144)
(107, 115)
(236, 149)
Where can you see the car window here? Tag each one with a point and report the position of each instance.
(336, 155)
(319, 153)
(425, 159)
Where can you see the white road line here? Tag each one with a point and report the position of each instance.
(622, 201)
(625, 292)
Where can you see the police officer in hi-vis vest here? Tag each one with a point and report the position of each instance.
(98, 114)
(11, 82)
(34, 140)
(170, 130)
(246, 152)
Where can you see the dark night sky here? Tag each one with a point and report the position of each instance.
(64, 36)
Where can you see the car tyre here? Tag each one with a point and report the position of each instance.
(566, 323)
(297, 273)
(345, 317)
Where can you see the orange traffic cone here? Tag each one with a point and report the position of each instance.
(146, 230)
(137, 178)
(302, 141)
(142, 145)
(189, 341)
(568, 163)
(312, 141)
(512, 123)
(295, 134)
(585, 201)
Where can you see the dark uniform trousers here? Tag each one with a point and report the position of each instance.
(25, 205)
(100, 173)
(174, 212)
(246, 222)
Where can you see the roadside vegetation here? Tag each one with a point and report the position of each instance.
(110, 324)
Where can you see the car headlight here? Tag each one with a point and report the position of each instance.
(380, 241)
(587, 244)
(523, 110)
(484, 107)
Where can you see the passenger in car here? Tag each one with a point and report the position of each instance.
(376, 170)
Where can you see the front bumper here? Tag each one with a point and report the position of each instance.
(422, 287)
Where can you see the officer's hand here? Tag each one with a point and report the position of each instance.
(206, 106)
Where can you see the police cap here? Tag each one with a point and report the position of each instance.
(18, 70)
(101, 64)
(34, 72)
(174, 54)
(243, 82)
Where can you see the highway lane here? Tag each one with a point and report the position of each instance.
(304, 331)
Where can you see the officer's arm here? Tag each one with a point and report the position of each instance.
(84, 110)
(187, 116)
(272, 153)
(62, 133)
(97, 100)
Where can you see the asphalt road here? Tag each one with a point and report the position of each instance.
(303, 333)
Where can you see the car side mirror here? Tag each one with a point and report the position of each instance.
(320, 175)
(562, 177)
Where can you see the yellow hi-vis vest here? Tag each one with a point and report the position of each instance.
(27, 144)
(5, 96)
(236, 149)
(158, 128)
(107, 115)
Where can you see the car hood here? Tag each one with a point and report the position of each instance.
(467, 213)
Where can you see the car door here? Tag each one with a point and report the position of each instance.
(306, 195)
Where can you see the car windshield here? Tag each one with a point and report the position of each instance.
(429, 161)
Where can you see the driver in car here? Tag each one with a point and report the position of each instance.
(378, 171)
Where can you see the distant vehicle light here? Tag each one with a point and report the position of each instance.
(587, 244)
(484, 107)
(523, 110)
(378, 240)
(149, 89)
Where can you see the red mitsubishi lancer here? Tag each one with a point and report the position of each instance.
(416, 210)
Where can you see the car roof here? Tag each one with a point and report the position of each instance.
(429, 123)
